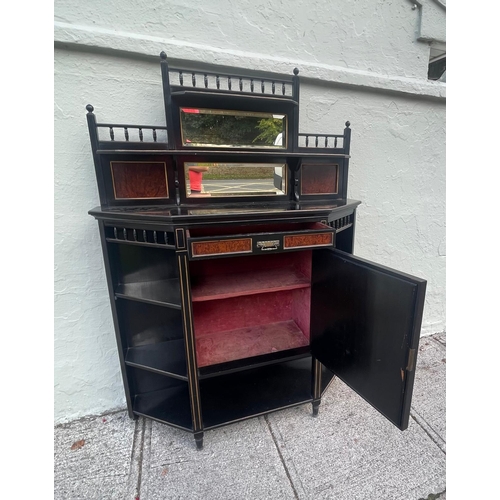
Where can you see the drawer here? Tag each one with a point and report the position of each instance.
(257, 239)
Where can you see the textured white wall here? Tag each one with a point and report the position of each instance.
(359, 61)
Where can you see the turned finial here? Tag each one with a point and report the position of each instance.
(163, 55)
(296, 71)
(347, 124)
(89, 108)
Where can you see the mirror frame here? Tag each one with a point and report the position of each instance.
(254, 164)
(233, 112)
(182, 160)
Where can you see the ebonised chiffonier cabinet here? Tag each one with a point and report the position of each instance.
(228, 240)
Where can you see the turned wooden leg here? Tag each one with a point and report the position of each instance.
(198, 437)
(315, 405)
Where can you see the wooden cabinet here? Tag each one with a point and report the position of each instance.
(228, 242)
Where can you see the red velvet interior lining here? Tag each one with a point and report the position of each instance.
(240, 312)
(243, 321)
(300, 260)
(246, 342)
(227, 328)
(223, 278)
(247, 283)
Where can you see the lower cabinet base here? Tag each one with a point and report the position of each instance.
(198, 436)
(225, 399)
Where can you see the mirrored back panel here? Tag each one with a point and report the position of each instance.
(235, 179)
(227, 128)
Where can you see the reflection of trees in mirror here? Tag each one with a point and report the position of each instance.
(270, 129)
(231, 130)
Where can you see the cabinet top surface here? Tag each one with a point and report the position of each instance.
(226, 213)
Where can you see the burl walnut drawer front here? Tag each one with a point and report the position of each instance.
(239, 240)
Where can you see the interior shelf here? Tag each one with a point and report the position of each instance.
(253, 392)
(221, 347)
(170, 406)
(246, 283)
(166, 358)
(163, 292)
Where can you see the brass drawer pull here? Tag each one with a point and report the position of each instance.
(268, 245)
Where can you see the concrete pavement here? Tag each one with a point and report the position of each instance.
(348, 452)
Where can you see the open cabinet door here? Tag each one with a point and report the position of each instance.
(365, 327)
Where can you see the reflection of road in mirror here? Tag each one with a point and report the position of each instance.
(235, 179)
(238, 186)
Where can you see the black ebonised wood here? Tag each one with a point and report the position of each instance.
(361, 322)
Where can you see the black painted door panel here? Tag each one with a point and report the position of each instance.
(365, 327)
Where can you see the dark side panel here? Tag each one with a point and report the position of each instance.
(365, 327)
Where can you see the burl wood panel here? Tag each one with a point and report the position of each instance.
(308, 240)
(200, 248)
(319, 179)
(139, 179)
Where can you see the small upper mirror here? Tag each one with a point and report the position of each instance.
(235, 179)
(238, 129)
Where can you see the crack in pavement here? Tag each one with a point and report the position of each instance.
(433, 496)
(135, 472)
(295, 494)
(441, 443)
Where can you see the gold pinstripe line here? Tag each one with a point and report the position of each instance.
(193, 342)
(190, 375)
(317, 382)
(319, 379)
(315, 378)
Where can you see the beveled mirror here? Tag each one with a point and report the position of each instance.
(235, 179)
(238, 129)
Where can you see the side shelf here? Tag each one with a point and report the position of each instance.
(163, 293)
(165, 358)
(145, 286)
(146, 274)
(161, 398)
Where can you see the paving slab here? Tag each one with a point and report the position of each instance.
(429, 392)
(351, 452)
(348, 452)
(439, 337)
(92, 458)
(239, 461)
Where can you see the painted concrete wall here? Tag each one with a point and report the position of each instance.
(359, 61)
